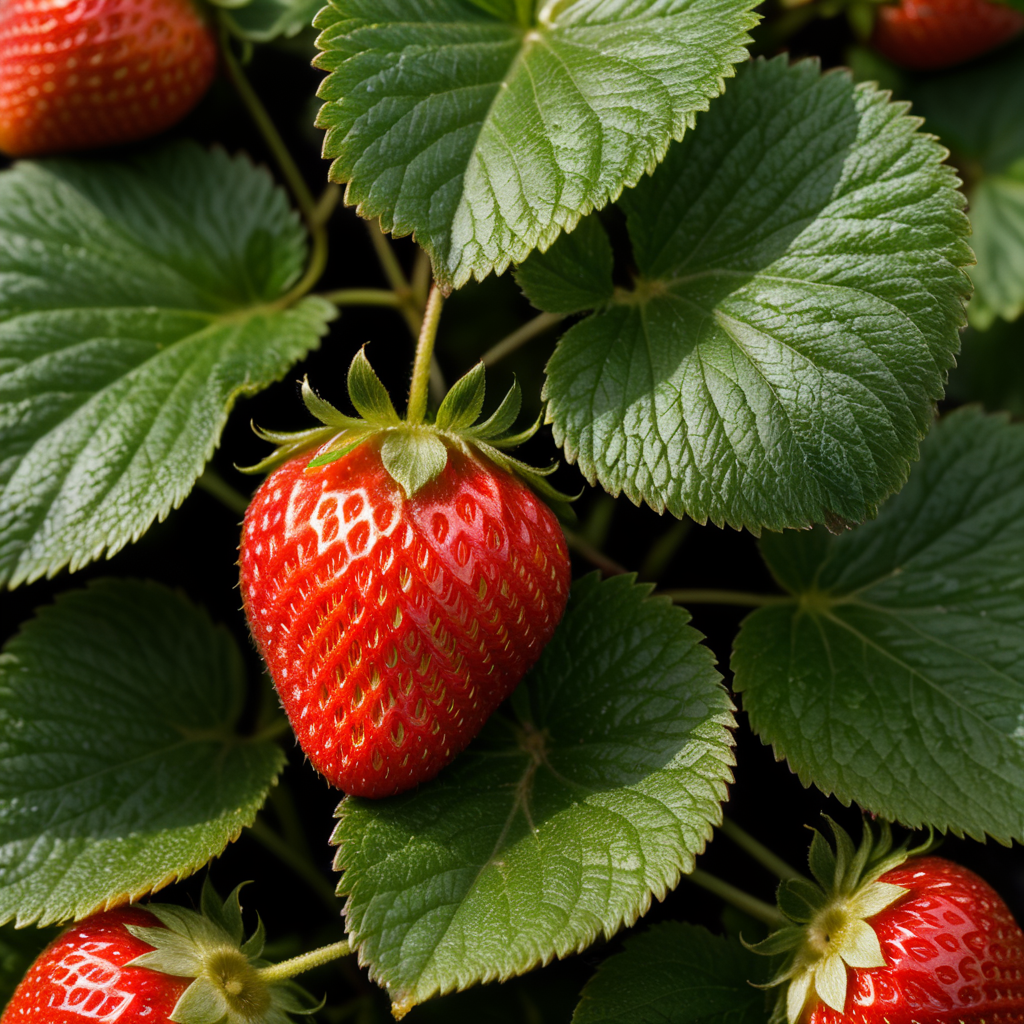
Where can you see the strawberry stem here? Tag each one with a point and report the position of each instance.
(303, 868)
(363, 297)
(214, 485)
(419, 388)
(764, 912)
(745, 841)
(305, 962)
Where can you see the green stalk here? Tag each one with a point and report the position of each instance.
(364, 297)
(596, 558)
(420, 386)
(214, 484)
(743, 839)
(751, 905)
(305, 962)
(738, 597)
(530, 330)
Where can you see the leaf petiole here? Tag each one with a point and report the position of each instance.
(751, 905)
(743, 839)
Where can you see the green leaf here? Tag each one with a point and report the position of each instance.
(262, 20)
(136, 304)
(894, 678)
(677, 973)
(795, 315)
(555, 829)
(451, 121)
(120, 768)
(979, 113)
(574, 275)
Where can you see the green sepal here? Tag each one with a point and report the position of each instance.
(800, 899)
(253, 946)
(778, 942)
(413, 457)
(463, 404)
(227, 915)
(325, 412)
(502, 418)
(368, 394)
(201, 1003)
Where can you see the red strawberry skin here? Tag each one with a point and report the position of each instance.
(928, 35)
(80, 74)
(954, 954)
(81, 978)
(394, 627)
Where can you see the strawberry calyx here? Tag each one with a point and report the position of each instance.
(230, 985)
(831, 930)
(413, 453)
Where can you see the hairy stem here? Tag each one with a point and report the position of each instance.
(751, 905)
(305, 962)
(743, 839)
(419, 388)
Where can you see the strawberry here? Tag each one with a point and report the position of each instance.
(79, 74)
(926, 35)
(400, 583)
(136, 965)
(895, 937)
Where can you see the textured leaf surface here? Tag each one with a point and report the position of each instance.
(552, 830)
(676, 973)
(979, 113)
(136, 304)
(795, 315)
(263, 20)
(894, 677)
(120, 770)
(485, 135)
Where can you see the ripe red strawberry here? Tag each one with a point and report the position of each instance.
(83, 976)
(926, 35)
(395, 616)
(79, 74)
(139, 965)
(892, 938)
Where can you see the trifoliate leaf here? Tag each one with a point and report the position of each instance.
(138, 301)
(797, 308)
(485, 129)
(894, 678)
(553, 829)
(120, 767)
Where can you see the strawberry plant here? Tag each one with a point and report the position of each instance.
(509, 708)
